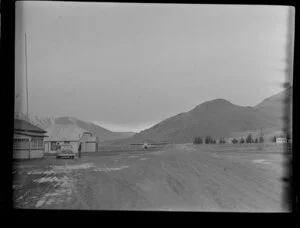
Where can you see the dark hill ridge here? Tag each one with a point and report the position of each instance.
(275, 106)
(102, 133)
(217, 118)
(96, 130)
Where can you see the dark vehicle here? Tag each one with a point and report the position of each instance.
(65, 151)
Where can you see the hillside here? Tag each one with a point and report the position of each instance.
(41, 122)
(275, 105)
(267, 133)
(102, 133)
(217, 118)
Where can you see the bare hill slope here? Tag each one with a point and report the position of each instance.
(102, 133)
(275, 105)
(217, 118)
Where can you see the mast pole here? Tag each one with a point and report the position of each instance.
(26, 73)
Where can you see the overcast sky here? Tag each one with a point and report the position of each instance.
(129, 66)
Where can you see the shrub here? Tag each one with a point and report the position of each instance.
(234, 141)
(242, 140)
(249, 139)
(261, 139)
(198, 140)
(273, 139)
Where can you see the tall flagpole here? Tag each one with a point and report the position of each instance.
(26, 72)
(29, 156)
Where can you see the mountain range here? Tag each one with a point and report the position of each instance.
(103, 134)
(217, 118)
(276, 105)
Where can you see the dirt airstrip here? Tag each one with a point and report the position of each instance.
(183, 177)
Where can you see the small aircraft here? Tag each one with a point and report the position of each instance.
(146, 145)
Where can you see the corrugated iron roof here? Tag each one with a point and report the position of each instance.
(25, 126)
(65, 132)
(32, 134)
(91, 139)
(88, 137)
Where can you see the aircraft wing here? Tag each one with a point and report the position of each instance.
(158, 143)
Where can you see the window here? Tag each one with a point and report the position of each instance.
(53, 146)
(36, 143)
(21, 143)
(33, 144)
(40, 143)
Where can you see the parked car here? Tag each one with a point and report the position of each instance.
(65, 151)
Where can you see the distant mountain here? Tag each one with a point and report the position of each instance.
(217, 118)
(103, 134)
(275, 105)
(267, 133)
(41, 122)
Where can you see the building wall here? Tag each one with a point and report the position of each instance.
(281, 140)
(24, 154)
(89, 147)
(51, 149)
(21, 147)
(20, 154)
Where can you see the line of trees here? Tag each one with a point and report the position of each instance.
(249, 139)
(198, 140)
(287, 136)
(208, 140)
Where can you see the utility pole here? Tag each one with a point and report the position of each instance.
(26, 72)
(261, 139)
(29, 141)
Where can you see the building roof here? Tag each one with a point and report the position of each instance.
(88, 137)
(64, 132)
(32, 134)
(24, 126)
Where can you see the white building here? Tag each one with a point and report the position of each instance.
(281, 140)
(28, 140)
(69, 134)
(89, 142)
(62, 134)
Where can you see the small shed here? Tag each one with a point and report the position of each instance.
(89, 142)
(281, 140)
(28, 140)
(62, 134)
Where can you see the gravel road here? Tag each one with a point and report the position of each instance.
(184, 177)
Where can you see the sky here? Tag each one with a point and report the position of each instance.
(128, 66)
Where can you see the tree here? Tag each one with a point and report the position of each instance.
(198, 140)
(249, 139)
(234, 141)
(256, 140)
(273, 139)
(221, 141)
(288, 137)
(242, 140)
(261, 139)
(195, 141)
(208, 140)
